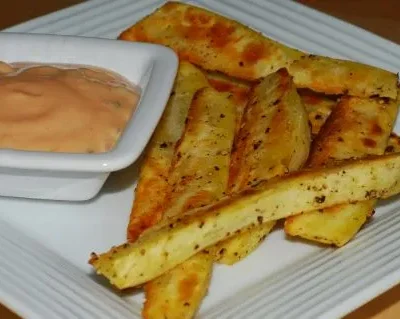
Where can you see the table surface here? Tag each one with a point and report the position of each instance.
(380, 17)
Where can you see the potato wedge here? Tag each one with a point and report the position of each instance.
(198, 177)
(318, 107)
(178, 293)
(274, 139)
(212, 41)
(152, 185)
(333, 76)
(200, 169)
(167, 245)
(334, 225)
(356, 128)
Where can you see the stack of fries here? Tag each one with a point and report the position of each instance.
(254, 132)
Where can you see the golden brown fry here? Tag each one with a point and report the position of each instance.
(274, 139)
(152, 185)
(199, 173)
(211, 41)
(357, 127)
(333, 76)
(167, 245)
(198, 177)
(334, 225)
(178, 293)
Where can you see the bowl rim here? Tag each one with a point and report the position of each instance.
(161, 68)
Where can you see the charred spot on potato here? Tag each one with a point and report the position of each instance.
(389, 149)
(372, 213)
(369, 142)
(385, 100)
(256, 145)
(93, 257)
(371, 194)
(319, 199)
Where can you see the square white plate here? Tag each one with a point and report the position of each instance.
(44, 246)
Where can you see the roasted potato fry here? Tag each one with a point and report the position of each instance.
(211, 41)
(274, 139)
(199, 173)
(152, 185)
(356, 128)
(167, 245)
(178, 293)
(332, 76)
(198, 177)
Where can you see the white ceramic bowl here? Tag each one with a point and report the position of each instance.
(61, 176)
